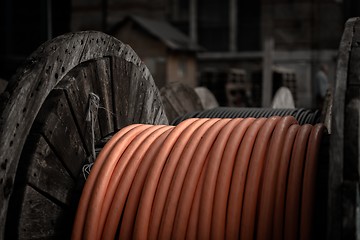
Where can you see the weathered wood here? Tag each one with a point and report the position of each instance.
(351, 141)
(77, 89)
(38, 216)
(131, 82)
(84, 79)
(343, 165)
(351, 151)
(68, 68)
(55, 122)
(207, 98)
(351, 216)
(46, 172)
(135, 96)
(43, 182)
(179, 99)
(121, 86)
(102, 87)
(267, 80)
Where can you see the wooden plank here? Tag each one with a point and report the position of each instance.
(267, 80)
(193, 21)
(39, 216)
(350, 205)
(172, 106)
(335, 215)
(188, 97)
(56, 123)
(78, 86)
(130, 82)
(148, 112)
(179, 99)
(121, 79)
(354, 66)
(233, 25)
(352, 111)
(78, 103)
(46, 173)
(136, 95)
(160, 116)
(157, 113)
(102, 88)
(352, 139)
(88, 74)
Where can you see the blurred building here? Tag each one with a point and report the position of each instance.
(168, 53)
(297, 29)
(299, 35)
(305, 34)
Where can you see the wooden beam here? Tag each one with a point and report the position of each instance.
(233, 25)
(193, 21)
(267, 72)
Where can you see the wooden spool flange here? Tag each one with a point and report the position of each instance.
(49, 126)
(344, 161)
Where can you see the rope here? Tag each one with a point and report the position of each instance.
(205, 178)
(91, 116)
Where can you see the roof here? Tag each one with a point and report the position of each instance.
(162, 30)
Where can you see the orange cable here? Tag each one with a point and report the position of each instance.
(102, 181)
(133, 198)
(192, 177)
(254, 176)
(87, 190)
(224, 178)
(166, 177)
(238, 180)
(281, 183)
(293, 192)
(309, 182)
(177, 181)
(211, 172)
(112, 209)
(151, 183)
(266, 205)
(205, 178)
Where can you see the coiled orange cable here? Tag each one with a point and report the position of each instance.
(166, 177)
(129, 214)
(309, 182)
(88, 188)
(238, 181)
(271, 172)
(280, 192)
(121, 184)
(230, 157)
(293, 192)
(178, 180)
(205, 178)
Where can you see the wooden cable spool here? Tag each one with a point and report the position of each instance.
(71, 94)
(344, 149)
(179, 99)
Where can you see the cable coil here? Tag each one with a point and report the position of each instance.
(303, 116)
(205, 178)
